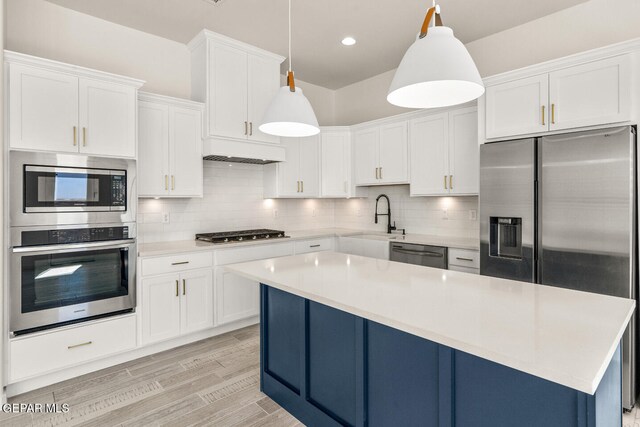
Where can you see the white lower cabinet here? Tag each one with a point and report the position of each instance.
(176, 304)
(364, 247)
(40, 353)
(465, 260)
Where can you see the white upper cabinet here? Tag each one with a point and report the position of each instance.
(107, 119)
(381, 155)
(43, 110)
(393, 154)
(464, 152)
(568, 97)
(365, 154)
(518, 107)
(593, 93)
(264, 75)
(170, 144)
(445, 154)
(67, 109)
(237, 82)
(335, 166)
(299, 175)
(430, 155)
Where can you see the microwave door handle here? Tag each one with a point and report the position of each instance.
(113, 244)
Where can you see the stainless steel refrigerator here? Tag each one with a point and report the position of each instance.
(561, 211)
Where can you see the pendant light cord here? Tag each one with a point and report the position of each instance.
(290, 59)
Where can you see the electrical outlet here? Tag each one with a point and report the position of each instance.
(165, 218)
(445, 214)
(275, 213)
(473, 215)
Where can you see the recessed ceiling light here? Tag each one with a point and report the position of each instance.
(348, 41)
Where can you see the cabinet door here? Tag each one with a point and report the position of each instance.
(429, 138)
(160, 308)
(153, 146)
(591, 94)
(227, 99)
(43, 110)
(264, 83)
(518, 107)
(334, 164)
(289, 170)
(236, 297)
(196, 303)
(310, 166)
(394, 153)
(185, 142)
(107, 119)
(365, 157)
(464, 152)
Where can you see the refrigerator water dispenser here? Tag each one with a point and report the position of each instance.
(505, 237)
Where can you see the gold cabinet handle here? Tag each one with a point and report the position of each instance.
(246, 127)
(380, 172)
(184, 286)
(173, 182)
(166, 182)
(450, 182)
(543, 115)
(250, 128)
(84, 137)
(445, 182)
(298, 184)
(302, 186)
(376, 173)
(70, 347)
(553, 114)
(75, 136)
(177, 288)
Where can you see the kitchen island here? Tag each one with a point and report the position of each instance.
(349, 340)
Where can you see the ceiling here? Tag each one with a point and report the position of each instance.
(383, 29)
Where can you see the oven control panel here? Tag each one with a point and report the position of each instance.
(73, 235)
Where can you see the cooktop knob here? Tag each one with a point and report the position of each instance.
(267, 236)
(240, 239)
(279, 235)
(226, 240)
(254, 237)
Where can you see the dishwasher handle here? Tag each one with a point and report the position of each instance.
(421, 253)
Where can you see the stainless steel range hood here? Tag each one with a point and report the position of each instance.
(228, 150)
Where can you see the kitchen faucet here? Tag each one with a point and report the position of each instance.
(390, 227)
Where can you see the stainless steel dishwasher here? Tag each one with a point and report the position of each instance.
(428, 256)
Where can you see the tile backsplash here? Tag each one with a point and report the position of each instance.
(233, 201)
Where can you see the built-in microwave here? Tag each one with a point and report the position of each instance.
(58, 189)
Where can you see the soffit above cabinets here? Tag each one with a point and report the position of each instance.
(383, 29)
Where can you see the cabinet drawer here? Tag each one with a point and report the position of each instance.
(316, 245)
(50, 351)
(253, 253)
(176, 263)
(464, 258)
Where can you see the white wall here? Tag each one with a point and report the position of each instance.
(232, 201)
(40, 28)
(422, 215)
(586, 26)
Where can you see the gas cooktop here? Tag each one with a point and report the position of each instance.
(240, 236)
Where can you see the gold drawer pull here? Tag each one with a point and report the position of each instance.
(166, 182)
(445, 182)
(180, 263)
(543, 115)
(553, 114)
(75, 136)
(84, 137)
(79, 345)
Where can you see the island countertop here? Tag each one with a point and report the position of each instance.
(564, 336)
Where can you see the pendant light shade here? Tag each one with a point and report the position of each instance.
(290, 113)
(436, 71)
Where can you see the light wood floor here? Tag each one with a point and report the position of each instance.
(632, 419)
(209, 382)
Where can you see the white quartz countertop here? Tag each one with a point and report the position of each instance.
(561, 335)
(182, 246)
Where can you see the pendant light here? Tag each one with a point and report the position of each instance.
(290, 113)
(436, 71)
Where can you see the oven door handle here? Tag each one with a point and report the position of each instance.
(112, 244)
(420, 253)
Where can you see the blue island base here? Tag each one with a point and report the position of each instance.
(331, 368)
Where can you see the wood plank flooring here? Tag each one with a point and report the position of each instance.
(209, 382)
